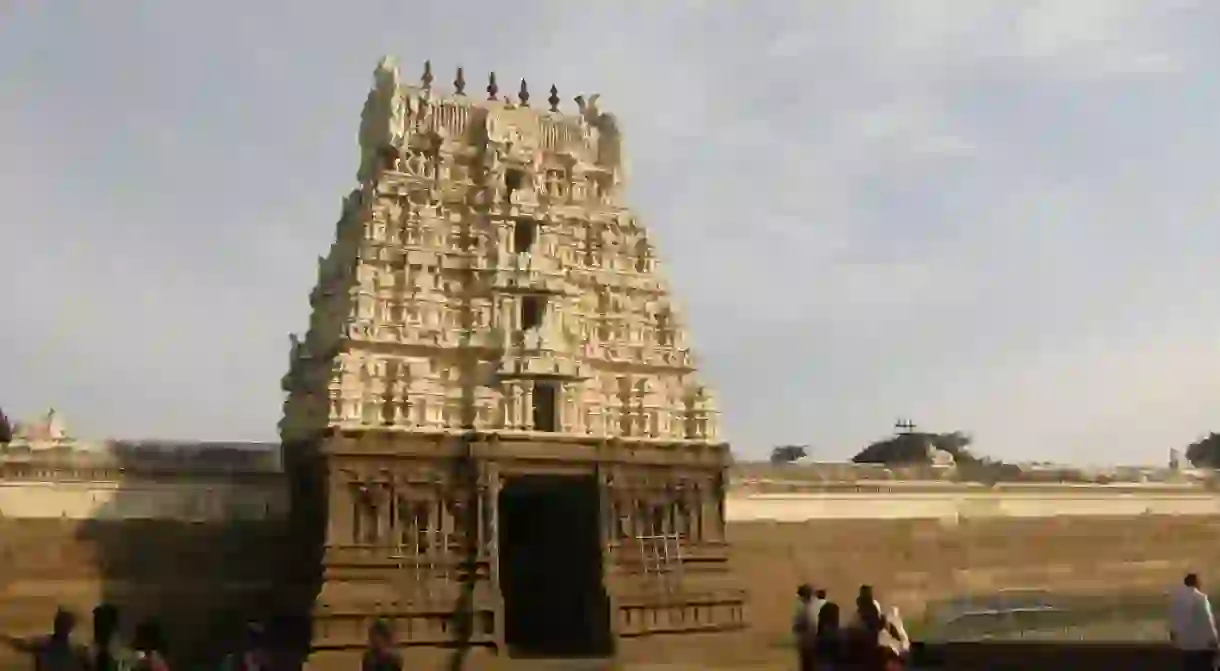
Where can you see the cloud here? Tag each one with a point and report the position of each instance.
(989, 216)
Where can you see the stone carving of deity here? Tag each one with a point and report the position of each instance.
(383, 121)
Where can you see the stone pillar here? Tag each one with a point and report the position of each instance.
(568, 408)
(707, 511)
(342, 509)
(527, 401)
(492, 475)
(517, 406)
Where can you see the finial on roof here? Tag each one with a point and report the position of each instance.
(459, 82)
(426, 79)
(580, 104)
(554, 99)
(387, 64)
(524, 94)
(492, 89)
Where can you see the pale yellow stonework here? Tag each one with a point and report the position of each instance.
(487, 275)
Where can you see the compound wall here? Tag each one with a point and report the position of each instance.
(185, 501)
(199, 555)
(932, 546)
(916, 544)
(200, 579)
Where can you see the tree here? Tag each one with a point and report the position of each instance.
(6, 428)
(1205, 452)
(786, 454)
(912, 448)
(956, 443)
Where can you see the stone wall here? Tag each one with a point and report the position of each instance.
(199, 578)
(192, 534)
(916, 562)
(917, 543)
(108, 500)
(949, 503)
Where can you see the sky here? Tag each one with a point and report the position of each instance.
(998, 217)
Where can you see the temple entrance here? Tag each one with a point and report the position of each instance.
(555, 603)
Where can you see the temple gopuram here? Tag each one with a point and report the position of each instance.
(494, 429)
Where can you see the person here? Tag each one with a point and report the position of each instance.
(149, 646)
(819, 601)
(1192, 627)
(804, 626)
(900, 642)
(56, 652)
(879, 642)
(891, 661)
(828, 643)
(107, 653)
(252, 655)
(380, 654)
(865, 595)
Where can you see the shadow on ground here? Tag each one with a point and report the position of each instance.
(1019, 656)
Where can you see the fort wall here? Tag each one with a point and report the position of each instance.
(952, 503)
(200, 578)
(113, 500)
(194, 537)
(209, 551)
(216, 499)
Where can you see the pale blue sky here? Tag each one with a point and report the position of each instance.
(993, 216)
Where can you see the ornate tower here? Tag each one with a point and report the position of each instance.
(489, 314)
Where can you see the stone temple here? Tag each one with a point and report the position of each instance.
(494, 427)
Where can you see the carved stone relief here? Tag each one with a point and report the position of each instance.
(412, 267)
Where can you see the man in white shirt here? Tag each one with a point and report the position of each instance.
(815, 608)
(805, 623)
(1192, 628)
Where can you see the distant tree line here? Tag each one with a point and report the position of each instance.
(910, 448)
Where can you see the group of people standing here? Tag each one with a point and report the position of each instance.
(58, 651)
(107, 652)
(873, 640)
(870, 640)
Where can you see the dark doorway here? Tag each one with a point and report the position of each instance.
(531, 311)
(525, 232)
(555, 603)
(544, 407)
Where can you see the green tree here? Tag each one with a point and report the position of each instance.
(6, 428)
(912, 448)
(786, 454)
(1205, 453)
